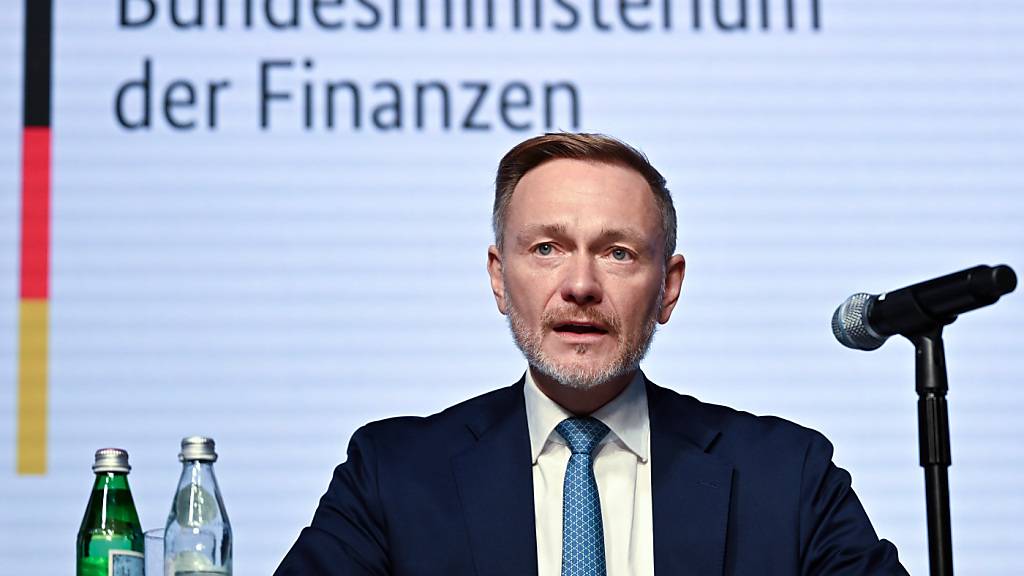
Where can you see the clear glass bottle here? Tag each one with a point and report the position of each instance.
(110, 539)
(197, 540)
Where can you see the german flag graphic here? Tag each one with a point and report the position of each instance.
(33, 322)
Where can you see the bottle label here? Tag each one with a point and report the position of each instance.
(126, 563)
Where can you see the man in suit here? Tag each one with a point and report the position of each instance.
(584, 466)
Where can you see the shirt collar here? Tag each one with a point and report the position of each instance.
(626, 416)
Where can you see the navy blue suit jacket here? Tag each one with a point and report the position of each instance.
(452, 494)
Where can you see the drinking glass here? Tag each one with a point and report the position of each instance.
(155, 552)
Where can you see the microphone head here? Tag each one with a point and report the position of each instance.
(850, 323)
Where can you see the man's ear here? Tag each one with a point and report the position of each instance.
(497, 279)
(675, 269)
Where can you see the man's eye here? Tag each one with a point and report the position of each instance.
(620, 254)
(544, 249)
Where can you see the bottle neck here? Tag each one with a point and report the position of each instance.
(198, 501)
(111, 481)
(111, 508)
(198, 473)
(204, 467)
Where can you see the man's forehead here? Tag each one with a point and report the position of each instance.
(567, 181)
(566, 191)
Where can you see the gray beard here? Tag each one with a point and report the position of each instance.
(580, 376)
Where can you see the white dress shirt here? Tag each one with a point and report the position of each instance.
(622, 467)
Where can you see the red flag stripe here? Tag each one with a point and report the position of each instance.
(35, 213)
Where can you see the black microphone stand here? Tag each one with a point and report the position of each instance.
(919, 313)
(933, 435)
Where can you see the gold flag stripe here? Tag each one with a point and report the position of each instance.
(33, 355)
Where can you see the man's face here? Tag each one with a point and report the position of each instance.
(582, 273)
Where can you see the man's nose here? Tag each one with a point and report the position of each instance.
(581, 284)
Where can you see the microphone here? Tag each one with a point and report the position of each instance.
(865, 321)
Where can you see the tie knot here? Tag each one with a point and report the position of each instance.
(582, 434)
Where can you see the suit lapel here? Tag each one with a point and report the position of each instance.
(495, 482)
(691, 488)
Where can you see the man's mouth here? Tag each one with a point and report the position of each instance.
(579, 328)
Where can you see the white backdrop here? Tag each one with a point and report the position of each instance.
(276, 288)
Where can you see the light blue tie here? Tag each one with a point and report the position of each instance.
(582, 534)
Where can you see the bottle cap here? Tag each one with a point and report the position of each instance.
(111, 460)
(197, 448)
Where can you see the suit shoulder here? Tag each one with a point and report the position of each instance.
(406, 429)
(741, 428)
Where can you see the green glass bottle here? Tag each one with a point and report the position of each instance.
(110, 541)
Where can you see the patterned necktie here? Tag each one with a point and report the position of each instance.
(582, 534)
